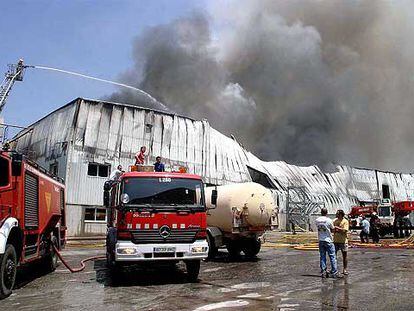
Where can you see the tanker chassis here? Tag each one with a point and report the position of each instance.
(241, 215)
(32, 217)
(156, 217)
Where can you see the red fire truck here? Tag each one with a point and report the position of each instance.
(156, 216)
(393, 216)
(32, 217)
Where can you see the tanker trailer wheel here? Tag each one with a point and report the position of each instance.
(8, 269)
(252, 248)
(193, 269)
(234, 249)
(51, 260)
(212, 248)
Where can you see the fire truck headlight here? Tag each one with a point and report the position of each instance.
(126, 250)
(125, 198)
(199, 249)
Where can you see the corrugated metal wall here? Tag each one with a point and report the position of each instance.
(112, 133)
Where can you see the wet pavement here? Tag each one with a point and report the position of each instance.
(279, 279)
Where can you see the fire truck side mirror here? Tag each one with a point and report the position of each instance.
(214, 196)
(17, 164)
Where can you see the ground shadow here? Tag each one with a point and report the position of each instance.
(224, 257)
(28, 273)
(140, 274)
(312, 275)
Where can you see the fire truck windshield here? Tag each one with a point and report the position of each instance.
(163, 192)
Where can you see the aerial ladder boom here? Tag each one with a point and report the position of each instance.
(15, 73)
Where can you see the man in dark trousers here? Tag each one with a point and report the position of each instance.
(158, 166)
(374, 227)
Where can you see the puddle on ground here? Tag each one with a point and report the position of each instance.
(227, 290)
(250, 295)
(251, 285)
(224, 304)
(213, 269)
(287, 306)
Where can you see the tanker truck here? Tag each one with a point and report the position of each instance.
(238, 214)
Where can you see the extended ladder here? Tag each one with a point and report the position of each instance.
(15, 73)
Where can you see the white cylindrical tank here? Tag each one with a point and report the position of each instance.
(240, 205)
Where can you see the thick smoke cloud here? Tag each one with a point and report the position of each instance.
(178, 65)
(308, 82)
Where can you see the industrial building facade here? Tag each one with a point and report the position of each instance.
(86, 139)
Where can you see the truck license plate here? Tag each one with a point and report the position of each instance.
(164, 249)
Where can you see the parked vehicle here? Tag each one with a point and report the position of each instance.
(32, 217)
(154, 217)
(242, 214)
(393, 216)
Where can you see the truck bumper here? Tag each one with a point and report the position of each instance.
(128, 251)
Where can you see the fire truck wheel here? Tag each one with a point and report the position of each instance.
(212, 248)
(8, 270)
(252, 248)
(193, 269)
(51, 260)
(233, 248)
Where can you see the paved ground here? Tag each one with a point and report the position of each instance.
(280, 279)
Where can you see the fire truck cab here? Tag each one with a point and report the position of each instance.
(32, 217)
(156, 216)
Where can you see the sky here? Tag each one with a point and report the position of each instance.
(89, 37)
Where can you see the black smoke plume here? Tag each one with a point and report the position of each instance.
(308, 82)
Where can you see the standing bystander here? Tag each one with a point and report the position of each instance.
(374, 223)
(325, 226)
(365, 230)
(341, 238)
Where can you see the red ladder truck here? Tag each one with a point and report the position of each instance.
(154, 217)
(32, 217)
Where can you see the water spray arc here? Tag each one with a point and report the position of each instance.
(16, 71)
(151, 98)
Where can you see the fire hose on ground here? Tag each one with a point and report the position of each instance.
(309, 243)
(82, 267)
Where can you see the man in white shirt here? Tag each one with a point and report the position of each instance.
(326, 245)
(365, 230)
(116, 174)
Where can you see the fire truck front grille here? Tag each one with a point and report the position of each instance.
(153, 236)
(31, 202)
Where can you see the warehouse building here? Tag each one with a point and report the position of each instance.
(85, 139)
